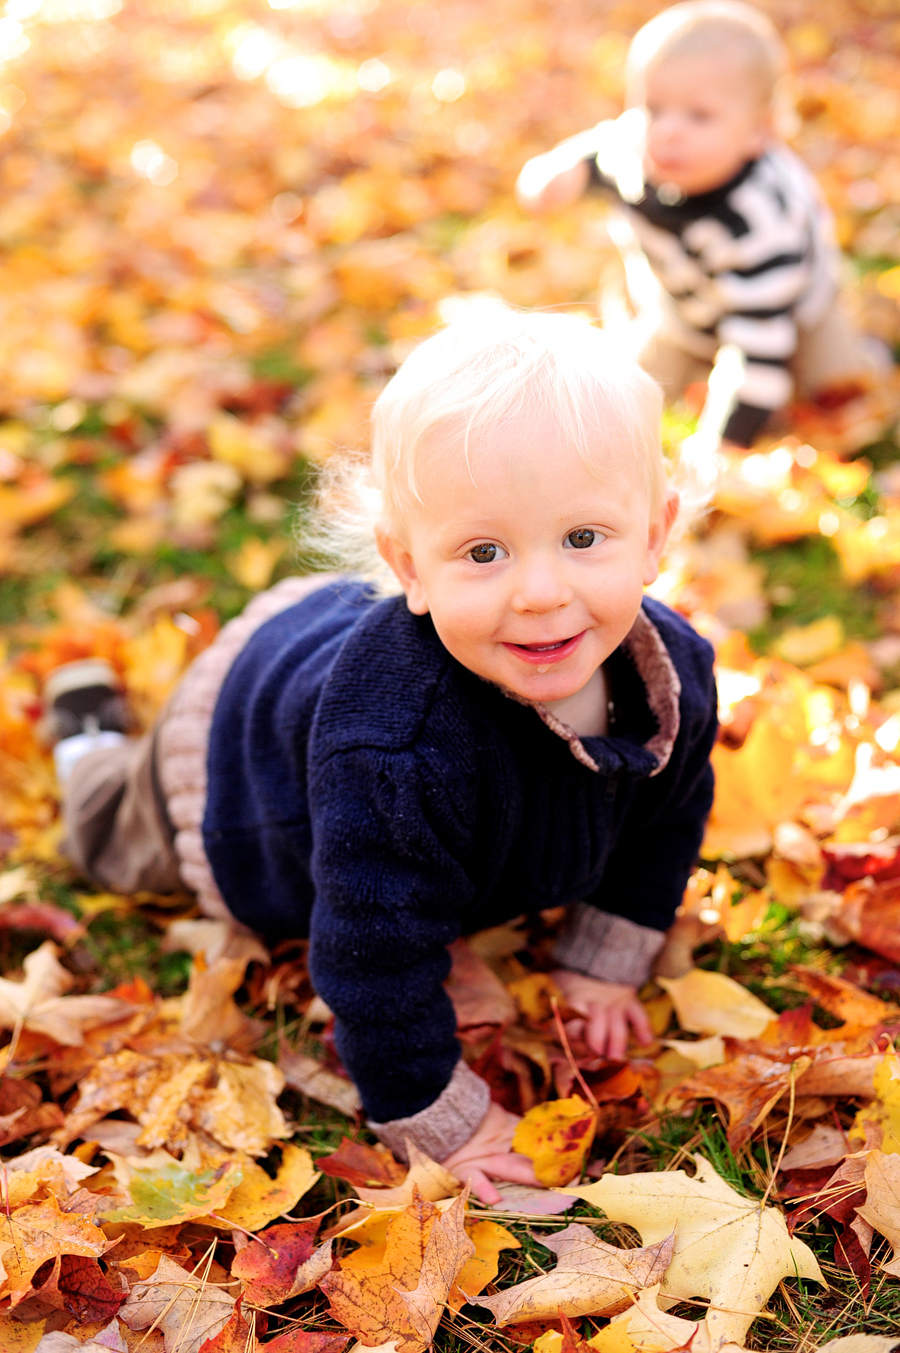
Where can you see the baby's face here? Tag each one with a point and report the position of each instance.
(704, 121)
(531, 565)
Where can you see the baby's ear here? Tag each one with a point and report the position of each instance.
(660, 526)
(397, 556)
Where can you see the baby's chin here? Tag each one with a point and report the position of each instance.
(685, 182)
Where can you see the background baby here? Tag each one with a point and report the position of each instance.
(731, 223)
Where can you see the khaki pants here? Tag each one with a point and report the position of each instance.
(118, 831)
(134, 813)
(830, 353)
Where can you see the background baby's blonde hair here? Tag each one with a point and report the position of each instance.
(485, 369)
(701, 27)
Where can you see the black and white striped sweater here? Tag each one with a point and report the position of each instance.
(743, 265)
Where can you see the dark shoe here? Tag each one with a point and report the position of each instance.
(83, 697)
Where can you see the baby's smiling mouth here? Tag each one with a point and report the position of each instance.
(544, 653)
(543, 648)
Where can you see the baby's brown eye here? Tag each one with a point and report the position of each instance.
(484, 553)
(581, 539)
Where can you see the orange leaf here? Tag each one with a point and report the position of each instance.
(404, 1297)
(36, 1232)
(749, 1087)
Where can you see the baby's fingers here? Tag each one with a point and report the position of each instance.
(617, 1039)
(640, 1023)
(596, 1032)
(510, 1166)
(480, 1185)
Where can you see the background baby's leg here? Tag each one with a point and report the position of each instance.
(833, 353)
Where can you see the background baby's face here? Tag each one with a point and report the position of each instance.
(705, 120)
(531, 563)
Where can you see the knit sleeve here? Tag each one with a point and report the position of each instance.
(388, 866)
(648, 868)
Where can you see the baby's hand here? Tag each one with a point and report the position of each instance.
(608, 1009)
(488, 1153)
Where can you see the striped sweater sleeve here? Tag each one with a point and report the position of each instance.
(764, 276)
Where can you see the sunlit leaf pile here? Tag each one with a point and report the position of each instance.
(223, 223)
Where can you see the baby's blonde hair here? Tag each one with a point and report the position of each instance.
(480, 372)
(703, 27)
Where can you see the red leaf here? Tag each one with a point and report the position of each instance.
(307, 1341)
(86, 1291)
(44, 916)
(362, 1166)
(268, 1265)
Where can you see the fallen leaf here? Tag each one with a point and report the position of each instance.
(310, 1341)
(825, 1145)
(557, 1138)
(39, 1231)
(23, 1112)
(424, 1177)
(281, 1262)
(478, 995)
(259, 1199)
(312, 1078)
(749, 1087)
(844, 999)
(883, 1114)
(241, 1112)
(704, 1052)
(209, 1015)
(711, 1003)
(361, 1164)
(728, 1250)
(215, 940)
(590, 1278)
(882, 1206)
(237, 1336)
(186, 1309)
(55, 921)
(402, 1300)
(652, 1330)
(77, 1285)
(38, 1003)
(449, 1253)
(160, 1191)
(488, 1237)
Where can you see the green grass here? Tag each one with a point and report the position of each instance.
(805, 583)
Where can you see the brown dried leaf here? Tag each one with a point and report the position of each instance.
(186, 1309)
(749, 1087)
(401, 1300)
(590, 1278)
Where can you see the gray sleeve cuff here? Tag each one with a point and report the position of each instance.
(610, 948)
(459, 1109)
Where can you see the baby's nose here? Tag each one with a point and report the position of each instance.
(540, 588)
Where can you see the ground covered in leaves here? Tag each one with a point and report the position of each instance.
(222, 225)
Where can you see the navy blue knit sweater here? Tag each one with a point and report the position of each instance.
(365, 788)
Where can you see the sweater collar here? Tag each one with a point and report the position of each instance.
(644, 645)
